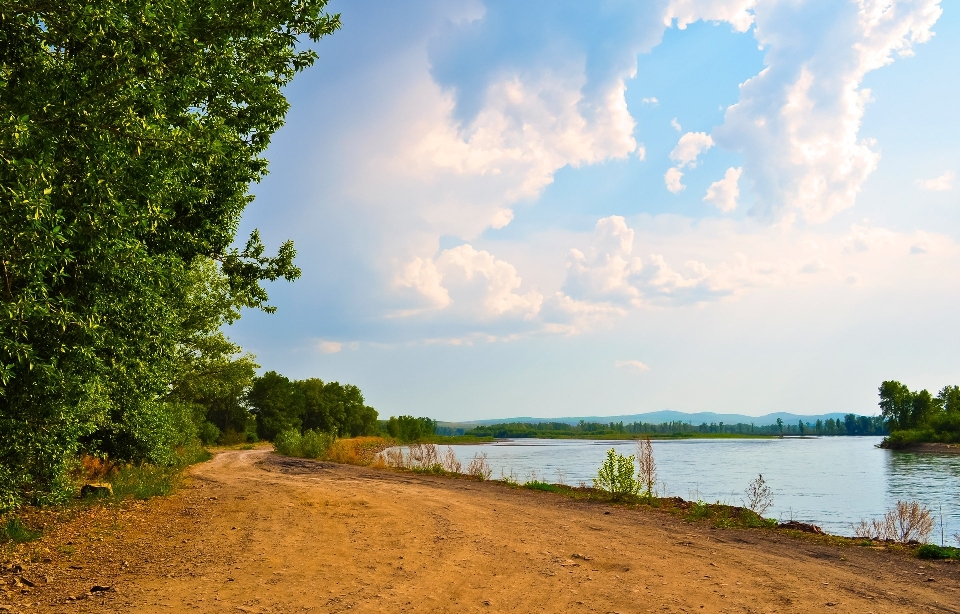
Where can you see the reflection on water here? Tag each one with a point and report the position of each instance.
(830, 481)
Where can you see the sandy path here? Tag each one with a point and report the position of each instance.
(257, 533)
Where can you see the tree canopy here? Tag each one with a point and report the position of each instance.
(918, 415)
(129, 136)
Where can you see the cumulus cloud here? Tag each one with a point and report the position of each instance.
(633, 365)
(723, 194)
(676, 125)
(943, 183)
(673, 180)
(689, 148)
(797, 122)
(608, 271)
(474, 281)
(739, 13)
(329, 347)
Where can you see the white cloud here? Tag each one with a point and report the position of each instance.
(737, 12)
(651, 100)
(473, 282)
(797, 122)
(676, 125)
(641, 152)
(607, 272)
(723, 194)
(689, 147)
(673, 180)
(633, 365)
(329, 347)
(943, 183)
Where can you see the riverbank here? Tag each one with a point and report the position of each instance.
(938, 448)
(255, 532)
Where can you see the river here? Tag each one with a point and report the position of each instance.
(830, 481)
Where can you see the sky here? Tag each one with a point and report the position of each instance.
(599, 208)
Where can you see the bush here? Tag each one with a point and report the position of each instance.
(615, 476)
(289, 442)
(208, 433)
(759, 496)
(144, 482)
(314, 444)
(479, 467)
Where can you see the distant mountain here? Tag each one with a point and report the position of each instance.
(666, 415)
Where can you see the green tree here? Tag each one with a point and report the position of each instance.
(780, 425)
(896, 405)
(129, 135)
(277, 403)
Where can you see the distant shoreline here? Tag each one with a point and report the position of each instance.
(924, 447)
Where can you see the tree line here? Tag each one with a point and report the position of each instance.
(130, 134)
(852, 424)
(918, 416)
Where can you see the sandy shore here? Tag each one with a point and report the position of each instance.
(257, 533)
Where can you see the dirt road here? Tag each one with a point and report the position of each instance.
(254, 532)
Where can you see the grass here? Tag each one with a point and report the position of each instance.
(932, 551)
(144, 482)
(15, 531)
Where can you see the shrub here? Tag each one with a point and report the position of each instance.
(615, 476)
(314, 444)
(450, 462)
(288, 442)
(759, 496)
(907, 522)
(208, 433)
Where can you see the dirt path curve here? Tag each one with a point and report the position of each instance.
(258, 533)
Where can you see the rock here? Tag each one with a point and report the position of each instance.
(96, 588)
(96, 489)
(801, 526)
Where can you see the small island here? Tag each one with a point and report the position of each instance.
(919, 421)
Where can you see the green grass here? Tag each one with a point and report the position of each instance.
(145, 482)
(544, 486)
(15, 531)
(932, 551)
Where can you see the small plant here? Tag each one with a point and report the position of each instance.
(759, 496)
(908, 522)
(615, 476)
(699, 510)
(479, 467)
(647, 475)
(14, 530)
(424, 457)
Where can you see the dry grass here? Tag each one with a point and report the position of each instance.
(357, 450)
(908, 522)
(647, 474)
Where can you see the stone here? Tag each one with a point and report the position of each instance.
(96, 489)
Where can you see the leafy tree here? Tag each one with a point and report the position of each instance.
(896, 405)
(780, 425)
(129, 134)
(277, 403)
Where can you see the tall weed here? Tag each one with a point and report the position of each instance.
(759, 496)
(479, 467)
(647, 473)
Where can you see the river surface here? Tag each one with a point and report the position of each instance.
(830, 481)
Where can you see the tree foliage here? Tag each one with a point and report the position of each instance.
(129, 135)
(915, 416)
(280, 404)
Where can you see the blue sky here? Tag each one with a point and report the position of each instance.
(553, 209)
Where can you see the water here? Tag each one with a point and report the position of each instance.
(832, 481)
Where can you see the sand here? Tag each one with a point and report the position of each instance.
(253, 532)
